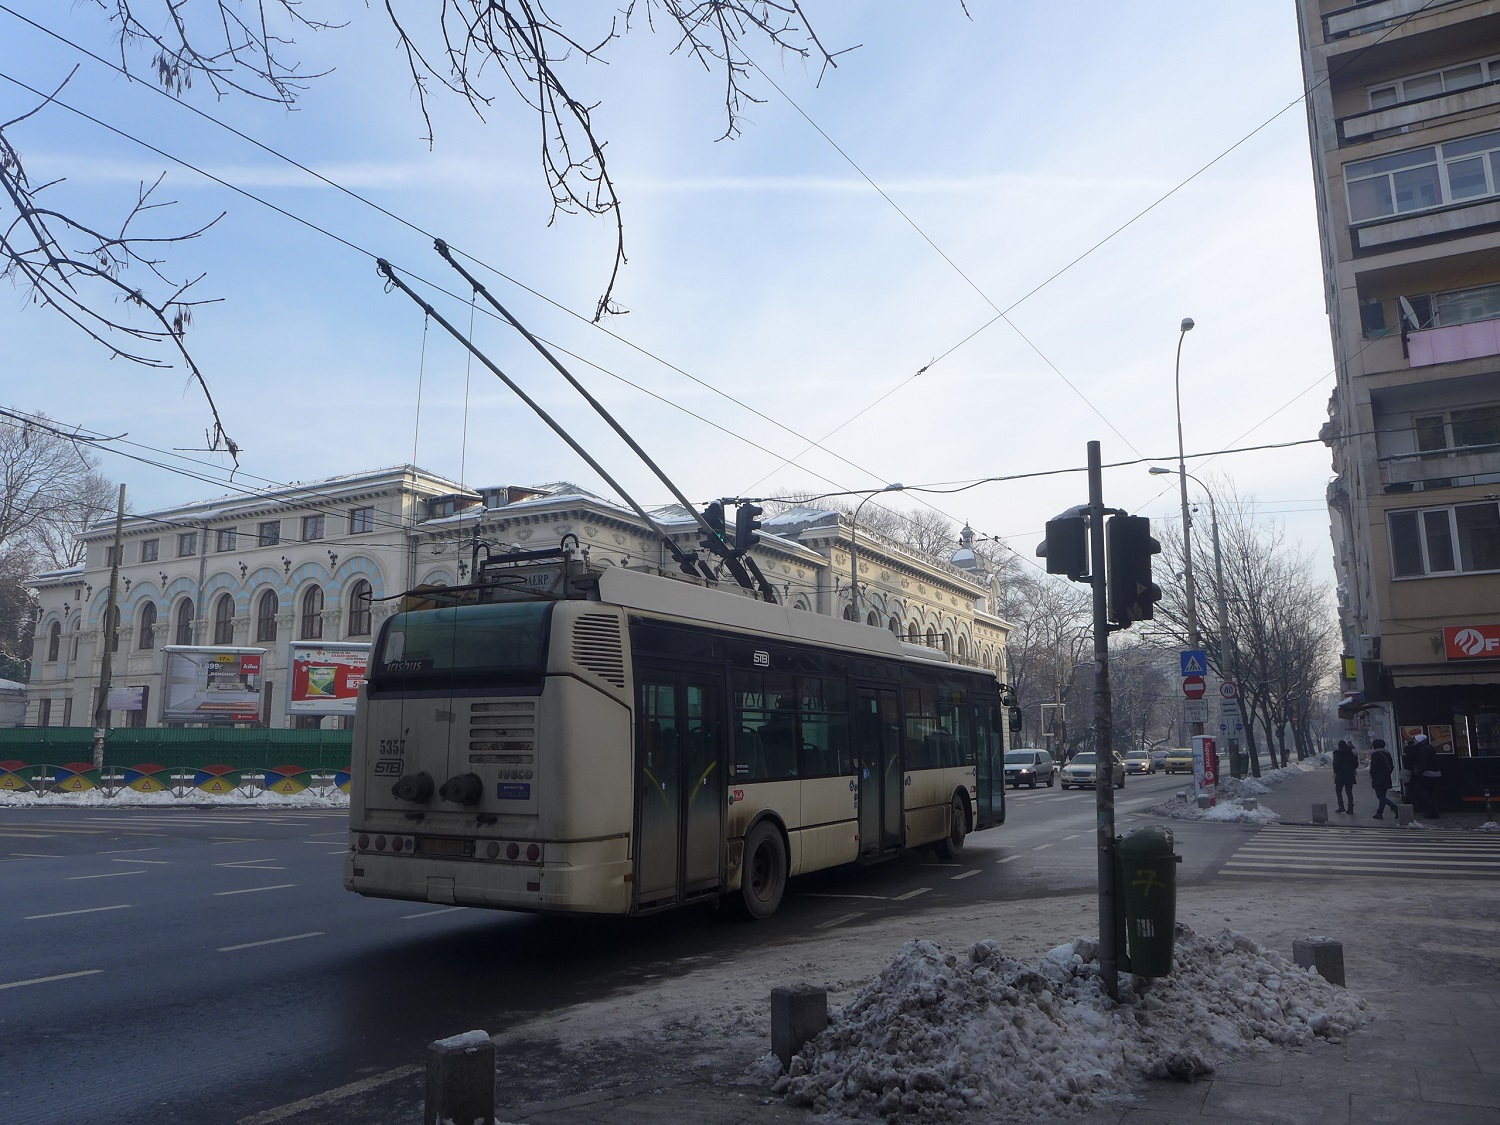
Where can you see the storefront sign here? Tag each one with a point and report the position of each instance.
(1471, 642)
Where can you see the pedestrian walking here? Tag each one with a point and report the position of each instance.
(1345, 766)
(1431, 775)
(1381, 769)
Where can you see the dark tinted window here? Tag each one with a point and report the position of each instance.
(471, 642)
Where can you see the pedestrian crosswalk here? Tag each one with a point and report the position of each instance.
(1311, 852)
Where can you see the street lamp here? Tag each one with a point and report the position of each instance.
(853, 533)
(1187, 520)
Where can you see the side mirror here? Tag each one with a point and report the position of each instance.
(1015, 720)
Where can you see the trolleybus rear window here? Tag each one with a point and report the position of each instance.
(432, 647)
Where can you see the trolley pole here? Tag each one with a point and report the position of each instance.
(1104, 771)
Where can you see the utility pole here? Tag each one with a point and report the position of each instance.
(108, 635)
(1104, 764)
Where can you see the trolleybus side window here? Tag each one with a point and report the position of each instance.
(938, 731)
(790, 726)
(824, 714)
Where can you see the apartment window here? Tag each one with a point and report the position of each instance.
(1459, 540)
(1434, 83)
(225, 539)
(359, 609)
(146, 637)
(185, 622)
(268, 534)
(187, 544)
(150, 549)
(312, 527)
(265, 616)
(111, 556)
(312, 614)
(44, 713)
(68, 711)
(1457, 431)
(361, 520)
(1422, 179)
(54, 642)
(224, 620)
(77, 628)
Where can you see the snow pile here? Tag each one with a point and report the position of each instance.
(933, 1035)
(1241, 787)
(128, 798)
(1488, 826)
(1183, 806)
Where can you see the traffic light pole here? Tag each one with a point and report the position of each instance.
(1104, 770)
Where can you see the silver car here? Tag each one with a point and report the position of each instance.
(1027, 767)
(1079, 771)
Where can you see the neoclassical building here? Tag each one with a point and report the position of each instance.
(313, 562)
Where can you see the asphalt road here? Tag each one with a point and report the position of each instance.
(205, 965)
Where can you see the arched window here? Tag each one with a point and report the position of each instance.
(931, 637)
(224, 620)
(800, 602)
(54, 640)
(185, 622)
(146, 637)
(359, 609)
(911, 632)
(873, 619)
(312, 614)
(76, 630)
(266, 610)
(894, 625)
(848, 613)
(963, 649)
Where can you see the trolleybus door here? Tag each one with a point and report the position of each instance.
(679, 787)
(878, 753)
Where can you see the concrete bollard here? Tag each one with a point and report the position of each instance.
(797, 1015)
(1249, 804)
(1320, 814)
(1405, 814)
(461, 1080)
(1324, 955)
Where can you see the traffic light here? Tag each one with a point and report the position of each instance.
(713, 515)
(1066, 548)
(746, 526)
(1132, 594)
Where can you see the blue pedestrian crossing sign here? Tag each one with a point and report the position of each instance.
(1194, 662)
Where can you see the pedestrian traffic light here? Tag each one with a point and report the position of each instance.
(1066, 547)
(746, 526)
(1132, 594)
(713, 515)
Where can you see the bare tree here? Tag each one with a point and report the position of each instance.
(107, 276)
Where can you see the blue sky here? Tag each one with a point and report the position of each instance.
(765, 265)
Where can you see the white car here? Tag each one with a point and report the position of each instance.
(1080, 771)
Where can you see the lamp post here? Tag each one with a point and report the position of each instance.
(853, 533)
(1187, 520)
(1222, 603)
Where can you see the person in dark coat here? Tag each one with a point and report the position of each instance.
(1345, 766)
(1427, 776)
(1381, 770)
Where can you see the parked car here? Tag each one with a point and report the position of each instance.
(1080, 771)
(1179, 759)
(1140, 761)
(1027, 767)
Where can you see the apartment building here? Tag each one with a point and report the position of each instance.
(1403, 111)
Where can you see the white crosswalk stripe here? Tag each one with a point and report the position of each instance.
(1302, 851)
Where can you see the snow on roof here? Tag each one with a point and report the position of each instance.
(935, 1034)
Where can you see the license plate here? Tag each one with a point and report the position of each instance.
(428, 845)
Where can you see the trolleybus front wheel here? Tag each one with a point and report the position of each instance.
(764, 879)
(953, 845)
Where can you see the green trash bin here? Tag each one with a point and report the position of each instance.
(1146, 899)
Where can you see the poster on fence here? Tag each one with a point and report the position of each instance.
(326, 678)
(212, 684)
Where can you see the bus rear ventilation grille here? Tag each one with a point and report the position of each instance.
(597, 647)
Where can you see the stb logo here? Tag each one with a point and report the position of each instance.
(1470, 642)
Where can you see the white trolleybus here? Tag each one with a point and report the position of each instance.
(558, 737)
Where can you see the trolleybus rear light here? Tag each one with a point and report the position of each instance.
(512, 851)
(364, 842)
(492, 850)
(380, 843)
(534, 886)
(533, 853)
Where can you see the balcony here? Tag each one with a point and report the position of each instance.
(1410, 471)
(1427, 346)
(1443, 222)
(1363, 126)
(1371, 17)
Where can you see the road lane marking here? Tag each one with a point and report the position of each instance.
(251, 865)
(158, 862)
(1041, 847)
(341, 851)
(27, 835)
(829, 894)
(130, 851)
(65, 913)
(434, 913)
(341, 832)
(911, 894)
(839, 921)
(235, 839)
(252, 890)
(36, 855)
(268, 941)
(1072, 837)
(966, 874)
(45, 980)
(106, 875)
(1008, 859)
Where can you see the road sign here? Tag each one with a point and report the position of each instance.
(1194, 662)
(1193, 687)
(1229, 690)
(1195, 710)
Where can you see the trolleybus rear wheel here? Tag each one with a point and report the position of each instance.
(764, 878)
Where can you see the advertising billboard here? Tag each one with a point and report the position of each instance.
(212, 684)
(326, 678)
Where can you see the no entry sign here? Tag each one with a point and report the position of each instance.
(1193, 687)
